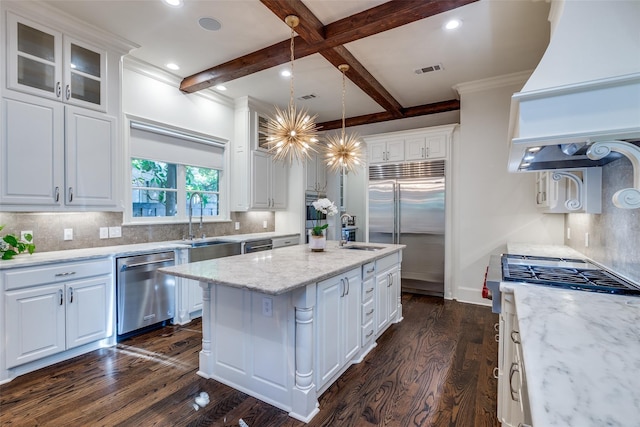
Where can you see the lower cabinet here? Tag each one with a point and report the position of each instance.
(387, 292)
(513, 406)
(338, 323)
(48, 317)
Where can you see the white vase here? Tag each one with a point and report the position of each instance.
(317, 243)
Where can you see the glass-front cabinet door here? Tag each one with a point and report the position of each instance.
(46, 63)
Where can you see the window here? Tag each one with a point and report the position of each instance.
(174, 176)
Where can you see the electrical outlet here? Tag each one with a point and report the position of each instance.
(586, 240)
(267, 307)
(264, 224)
(237, 226)
(568, 233)
(68, 234)
(24, 233)
(104, 232)
(115, 232)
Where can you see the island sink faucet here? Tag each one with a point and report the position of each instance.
(343, 240)
(199, 196)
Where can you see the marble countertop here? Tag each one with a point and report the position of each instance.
(581, 355)
(41, 258)
(559, 251)
(279, 271)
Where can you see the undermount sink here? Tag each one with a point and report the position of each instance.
(363, 247)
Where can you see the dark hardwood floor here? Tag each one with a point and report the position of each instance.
(432, 369)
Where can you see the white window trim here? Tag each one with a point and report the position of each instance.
(182, 216)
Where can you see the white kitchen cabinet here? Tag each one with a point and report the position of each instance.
(47, 63)
(513, 406)
(268, 182)
(338, 323)
(386, 151)
(569, 191)
(257, 181)
(316, 173)
(55, 155)
(53, 309)
(387, 292)
(426, 147)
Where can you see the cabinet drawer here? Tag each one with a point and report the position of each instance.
(368, 270)
(31, 276)
(368, 286)
(387, 262)
(367, 312)
(367, 333)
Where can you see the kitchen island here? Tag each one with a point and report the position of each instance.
(283, 325)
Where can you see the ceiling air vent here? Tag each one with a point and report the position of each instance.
(306, 97)
(429, 69)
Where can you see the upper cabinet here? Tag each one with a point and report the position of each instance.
(47, 63)
(414, 145)
(59, 138)
(258, 182)
(316, 172)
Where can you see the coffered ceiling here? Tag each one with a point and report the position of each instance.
(385, 42)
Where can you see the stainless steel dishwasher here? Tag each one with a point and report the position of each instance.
(145, 297)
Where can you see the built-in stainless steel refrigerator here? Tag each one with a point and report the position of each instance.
(407, 206)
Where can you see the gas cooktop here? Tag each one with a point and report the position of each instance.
(564, 273)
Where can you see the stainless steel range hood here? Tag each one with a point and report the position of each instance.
(585, 89)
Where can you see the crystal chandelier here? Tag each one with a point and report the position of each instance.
(343, 153)
(291, 134)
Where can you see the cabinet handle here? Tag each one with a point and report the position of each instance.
(70, 295)
(497, 337)
(57, 193)
(68, 273)
(343, 288)
(58, 89)
(369, 312)
(68, 92)
(371, 271)
(422, 152)
(368, 291)
(427, 152)
(496, 327)
(515, 337)
(61, 296)
(514, 393)
(348, 285)
(70, 194)
(369, 334)
(496, 372)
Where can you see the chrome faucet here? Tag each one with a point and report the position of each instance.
(193, 195)
(343, 241)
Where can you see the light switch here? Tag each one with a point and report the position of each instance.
(104, 232)
(115, 232)
(68, 234)
(237, 226)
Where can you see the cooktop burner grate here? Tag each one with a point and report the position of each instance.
(542, 258)
(567, 277)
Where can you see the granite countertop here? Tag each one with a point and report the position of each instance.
(279, 271)
(581, 355)
(41, 258)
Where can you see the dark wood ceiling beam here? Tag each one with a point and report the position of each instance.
(420, 110)
(309, 29)
(363, 79)
(369, 22)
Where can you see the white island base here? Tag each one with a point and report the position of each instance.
(287, 348)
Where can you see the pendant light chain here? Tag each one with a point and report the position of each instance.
(292, 60)
(343, 107)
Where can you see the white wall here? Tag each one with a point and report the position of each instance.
(490, 206)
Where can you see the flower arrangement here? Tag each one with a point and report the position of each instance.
(11, 246)
(327, 207)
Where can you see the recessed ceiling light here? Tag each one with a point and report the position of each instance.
(285, 73)
(172, 66)
(173, 3)
(221, 87)
(209, 24)
(453, 24)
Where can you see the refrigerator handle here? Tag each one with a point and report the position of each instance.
(397, 214)
(395, 218)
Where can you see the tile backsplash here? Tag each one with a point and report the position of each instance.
(48, 228)
(614, 235)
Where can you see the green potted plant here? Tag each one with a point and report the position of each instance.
(317, 239)
(10, 246)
